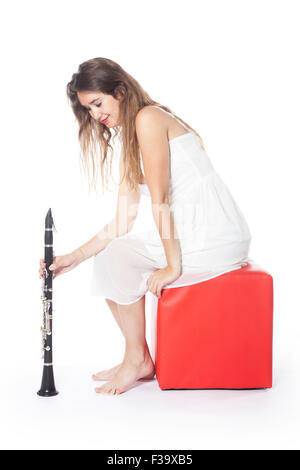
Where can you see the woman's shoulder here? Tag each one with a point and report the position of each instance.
(149, 111)
(151, 116)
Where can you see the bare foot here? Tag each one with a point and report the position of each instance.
(106, 374)
(127, 374)
(109, 374)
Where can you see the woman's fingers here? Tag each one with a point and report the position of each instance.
(62, 264)
(42, 266)
(154, 288)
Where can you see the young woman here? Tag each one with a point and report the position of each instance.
(198, 230)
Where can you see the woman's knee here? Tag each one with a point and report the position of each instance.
(112, 303)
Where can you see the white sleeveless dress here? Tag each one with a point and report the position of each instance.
(213, 233)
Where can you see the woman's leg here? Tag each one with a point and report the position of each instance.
(115, 311)
(109, 373)
(137, 362)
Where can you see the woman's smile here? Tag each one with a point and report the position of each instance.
(105, 120)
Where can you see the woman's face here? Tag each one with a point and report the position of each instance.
(100, 106)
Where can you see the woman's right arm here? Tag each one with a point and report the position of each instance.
(122, 223)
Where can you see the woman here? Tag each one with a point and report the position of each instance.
(198, 233)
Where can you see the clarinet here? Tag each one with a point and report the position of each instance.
(48, 386)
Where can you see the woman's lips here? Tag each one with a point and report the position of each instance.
(105, 120)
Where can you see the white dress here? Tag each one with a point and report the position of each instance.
(213, 233)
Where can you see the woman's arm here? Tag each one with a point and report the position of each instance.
(122, 223)
(153, 142)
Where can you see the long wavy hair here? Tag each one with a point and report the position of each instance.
(106, 76)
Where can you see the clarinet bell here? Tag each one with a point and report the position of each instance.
(48, 386)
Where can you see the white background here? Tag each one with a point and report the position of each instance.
(231, 70)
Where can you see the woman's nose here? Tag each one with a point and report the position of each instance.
(96, 115)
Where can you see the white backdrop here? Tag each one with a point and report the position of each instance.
(231, 70)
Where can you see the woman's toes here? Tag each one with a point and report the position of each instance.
(104, 389)
(100, 376)
(106, 374)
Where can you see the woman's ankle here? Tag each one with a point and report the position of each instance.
(136, 354)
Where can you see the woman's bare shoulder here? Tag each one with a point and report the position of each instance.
(149, 115)
(150, 111)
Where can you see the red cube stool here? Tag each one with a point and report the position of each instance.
(216, 333)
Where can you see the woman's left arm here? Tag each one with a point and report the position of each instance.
(153, 142)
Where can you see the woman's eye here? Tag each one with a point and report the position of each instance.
(98, 106)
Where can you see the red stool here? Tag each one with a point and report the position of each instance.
(215, 334)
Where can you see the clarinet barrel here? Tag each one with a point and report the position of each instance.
(48, 386)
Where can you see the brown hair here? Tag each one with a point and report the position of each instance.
(108, 77)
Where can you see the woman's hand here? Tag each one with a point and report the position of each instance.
(60, 265)
(160, 278)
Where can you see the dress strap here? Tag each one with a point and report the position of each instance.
(170, 114)
(180, 122)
